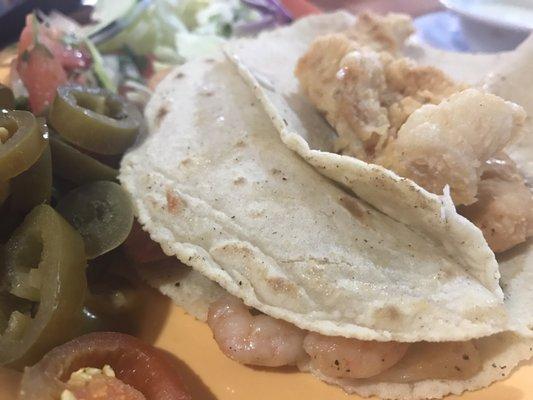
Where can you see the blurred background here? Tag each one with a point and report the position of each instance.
(413, 7)
(460, 25)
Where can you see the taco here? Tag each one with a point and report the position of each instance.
(462, 140)
(304, 257)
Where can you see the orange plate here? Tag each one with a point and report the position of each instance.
(210, 375)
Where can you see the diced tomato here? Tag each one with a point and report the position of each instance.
(300, 8)
(135, 363)
(44, 62)
(73, 58)
(26, 37)
(41, 74)
(69, 57)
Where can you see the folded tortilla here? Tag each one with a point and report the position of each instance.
(304, 130)
(215, 186)
(218, 187)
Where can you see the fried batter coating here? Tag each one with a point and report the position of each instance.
(382, 32)
(366, 93)
(504, 209)
(421, 124)
(449, 143)
(347, 84)
(415, 86)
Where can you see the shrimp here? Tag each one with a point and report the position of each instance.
(254, 339)
(266, 341)
(340, 357)
(504, 209)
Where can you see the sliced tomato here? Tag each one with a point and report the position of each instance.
(300, 8)
(136, 364)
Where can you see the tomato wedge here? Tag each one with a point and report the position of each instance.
(300, 8)
(134, 362)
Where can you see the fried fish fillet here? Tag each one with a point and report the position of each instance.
(449, 143)
(504, 209)
(375, 99)
(382, 32)
(366, 93)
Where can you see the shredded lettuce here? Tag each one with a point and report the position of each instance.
(99, 68)
(175, 31)
(141, 36)
(106, 12)
(133, 39)
(193, 45)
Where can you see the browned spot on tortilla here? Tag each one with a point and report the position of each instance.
(353, 206)
(185, 161)
(388, 313)
(257, 213)
(240, 143)
(278, 172)
(174, 203)
(423, 204)
(161, 113)
(240, 180)
(370, 145)
(238, 250)
(478, 313)
(446, 274)
(279, 284)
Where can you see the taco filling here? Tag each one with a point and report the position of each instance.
(421, 124)
(253, 338)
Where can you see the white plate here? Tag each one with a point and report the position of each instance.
(509, 14)
(492, 25)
